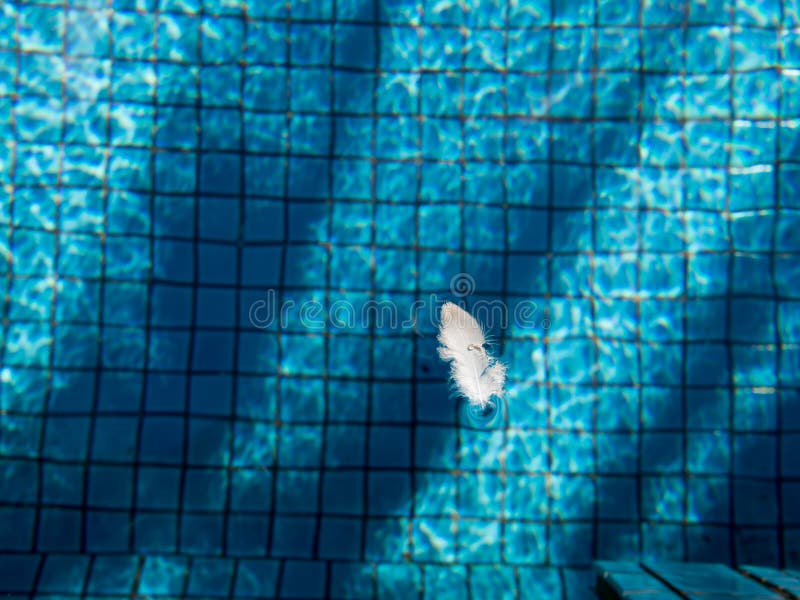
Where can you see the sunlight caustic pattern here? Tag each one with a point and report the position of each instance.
(631, 172)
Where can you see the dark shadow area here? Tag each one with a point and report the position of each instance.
(201, 435)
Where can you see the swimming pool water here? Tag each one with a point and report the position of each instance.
(185, 182)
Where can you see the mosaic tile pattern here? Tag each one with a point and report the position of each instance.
(627, 172)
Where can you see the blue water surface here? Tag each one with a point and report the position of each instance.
(225, 229)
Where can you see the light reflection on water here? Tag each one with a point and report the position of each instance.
(590, 408)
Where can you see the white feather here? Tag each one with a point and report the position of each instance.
(473, 372)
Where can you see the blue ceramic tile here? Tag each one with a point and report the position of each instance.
(247, 535)
(662, 498)
(571, 139)
(527, 274)
(201, 534)
(61, 485)
(60, 530)
(562, 551)
(708, 452)
(45, 70)
(662, 452)
(616, 497)
(308, 178)
(256, 577)
(132, 35)
(432, 56)
(163, 575)
(523, 92)
(340, 538)
(22, 478)
(247, 454)
(439, 529)
(110, 487)
(352, 580)
(525, 543)
(790, 444)
(789, 373)
(707, 364)
(112, 575)
(572, 453)
(22, 436)
(158, 488)
(296, 492)
(754, 366)
(441, 497)
(663, 541)
(220, 173)
(293, 537)
(432, 101)
(351, 179)
(346, 84)
(618, 540)
(756, 502)
(749, 135)
(300, 446)
(265, 132)
(127, 257)
(303, 580)
(489, 235)
(712, 13)
(210, 575)
(387, 491)
(708, 544)
(261, 265)
(439, 226)
(178, 38)
(528, 230)
(132, 5)
(176, 84)
(573, 497)
(66, 438)
(220, 129)
(302, 400)
(617, 47)
(204, 490)
(114, 438)
(427, 437)
(30, 299)
(251, 490)
(391, 402)
(342, 492)
(399, 580)
(220, 85)
(209, 442)
(215, 307)
(390, 446)
(169, 350)
(161, 439)
(32, 17)
(172, 129)
(579, 55)
(123, 347)
(440, 182)
(266, 42)
(355, 46)
(754, 455)
(536, 582)
(222, 39)
(156, 533)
